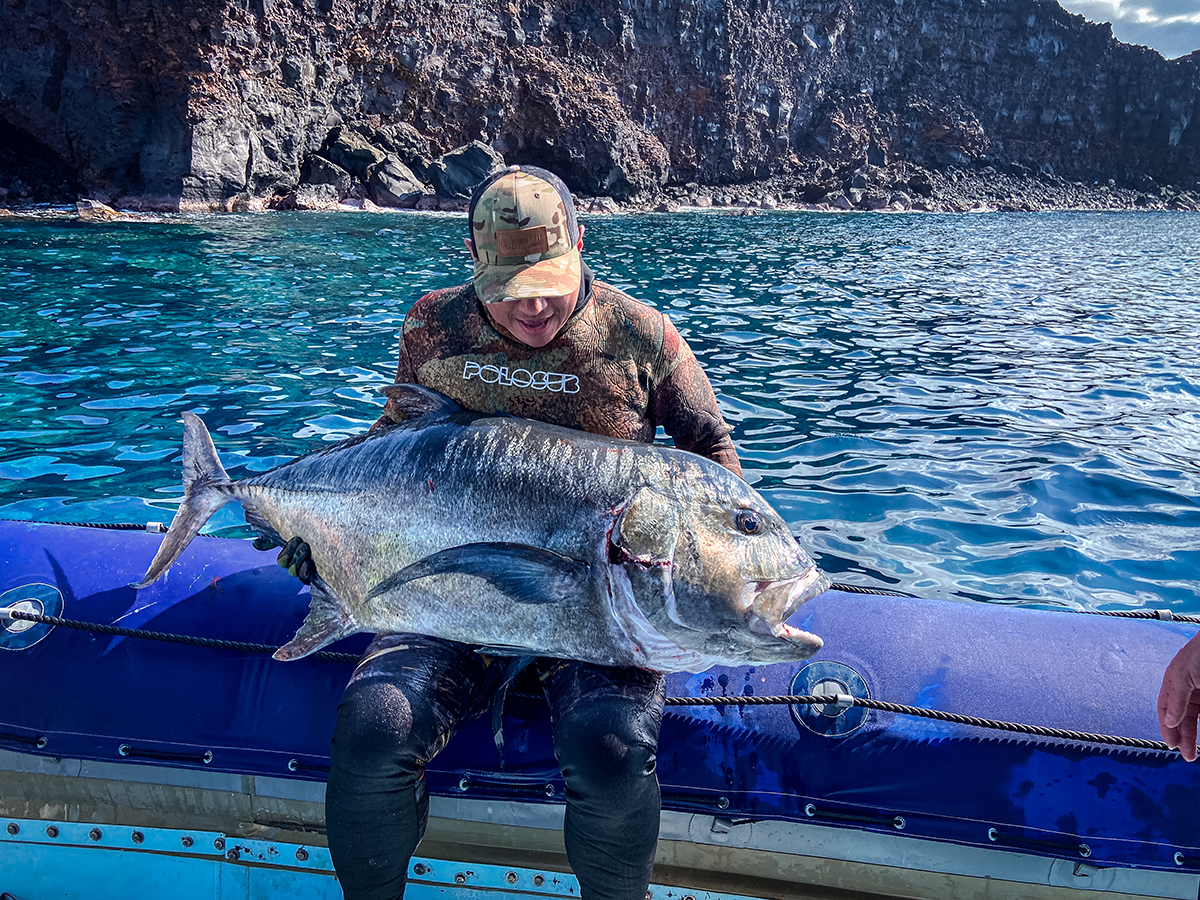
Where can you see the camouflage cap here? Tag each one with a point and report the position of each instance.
(526, 238)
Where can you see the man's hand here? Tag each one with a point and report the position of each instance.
(295, 556)
(1179, 700)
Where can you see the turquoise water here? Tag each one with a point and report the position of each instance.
(993, 407)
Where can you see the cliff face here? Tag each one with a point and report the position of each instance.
(158, 103)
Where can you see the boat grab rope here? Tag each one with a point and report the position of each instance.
(213, 643)
(1163, 615)
(841, 701)
(845, 701)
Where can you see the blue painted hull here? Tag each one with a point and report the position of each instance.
(100, 698)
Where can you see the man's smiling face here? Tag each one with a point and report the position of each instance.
(534, 321)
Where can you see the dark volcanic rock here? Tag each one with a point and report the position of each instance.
(407, 144)
(318, 171)
(189, 105)
(390, 183)
(316, 196)
(455, 174)
(352, 152)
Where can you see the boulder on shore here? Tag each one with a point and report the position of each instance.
(455, 175)
(320, 171)
(390, 183)
(94, 211)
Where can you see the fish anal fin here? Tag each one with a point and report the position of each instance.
(504, 650)
(261, 526)
(328, 620)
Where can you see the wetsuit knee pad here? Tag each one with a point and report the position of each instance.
(375, 730)
(606, 743)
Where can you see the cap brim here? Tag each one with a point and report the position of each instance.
(555, 277)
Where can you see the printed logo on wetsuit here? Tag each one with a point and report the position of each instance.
(555, 382)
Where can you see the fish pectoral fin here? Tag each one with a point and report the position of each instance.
(524, 573)
(328, 620)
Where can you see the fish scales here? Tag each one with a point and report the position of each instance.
(524, 538)
(465, 511)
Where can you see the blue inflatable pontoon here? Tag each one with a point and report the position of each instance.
(139, 768)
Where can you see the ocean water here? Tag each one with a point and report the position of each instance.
(998, 407)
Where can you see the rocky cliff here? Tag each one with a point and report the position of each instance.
(159, 104)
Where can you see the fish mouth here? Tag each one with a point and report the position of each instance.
(775, 602)
(810, 583)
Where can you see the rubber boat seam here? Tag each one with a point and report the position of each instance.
(1160, 614)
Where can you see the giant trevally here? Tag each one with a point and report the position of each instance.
(521, 537)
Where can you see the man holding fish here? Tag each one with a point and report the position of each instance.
(533, 335)
(472, 532)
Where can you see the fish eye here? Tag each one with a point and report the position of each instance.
(747, 521)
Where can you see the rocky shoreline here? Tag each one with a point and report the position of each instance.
(920, 190)
(959, 193)
(361, 170)
(940, 105)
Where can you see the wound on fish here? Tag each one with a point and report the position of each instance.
(618, 555)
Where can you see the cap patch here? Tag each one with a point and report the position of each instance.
(533, 241)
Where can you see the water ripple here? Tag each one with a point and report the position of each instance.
(1002, 408)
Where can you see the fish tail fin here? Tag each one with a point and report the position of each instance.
(328, 620)
(203, 478)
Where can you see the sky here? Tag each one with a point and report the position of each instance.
(1172, 27)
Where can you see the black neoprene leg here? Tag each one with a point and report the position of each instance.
(606, 723)
(399, 710)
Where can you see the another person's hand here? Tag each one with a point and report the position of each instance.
(295, 556)
(1179, 700)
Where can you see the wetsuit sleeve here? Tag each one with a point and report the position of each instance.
(405, 374)
(684, 404)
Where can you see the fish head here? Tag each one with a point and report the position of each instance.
(730, 569)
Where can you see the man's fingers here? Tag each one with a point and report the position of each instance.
(1170, 737)
(288, 551)
(1178, 715)
(1172, 701)
(1179, 699)
(1186, 732)
(296, 557)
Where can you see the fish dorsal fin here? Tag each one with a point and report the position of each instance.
(411, 401)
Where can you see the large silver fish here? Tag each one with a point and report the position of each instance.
(522, 537)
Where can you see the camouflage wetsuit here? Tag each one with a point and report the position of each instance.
(617, 368)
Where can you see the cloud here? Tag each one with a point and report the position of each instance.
(1183, 8)
(1172, 27)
